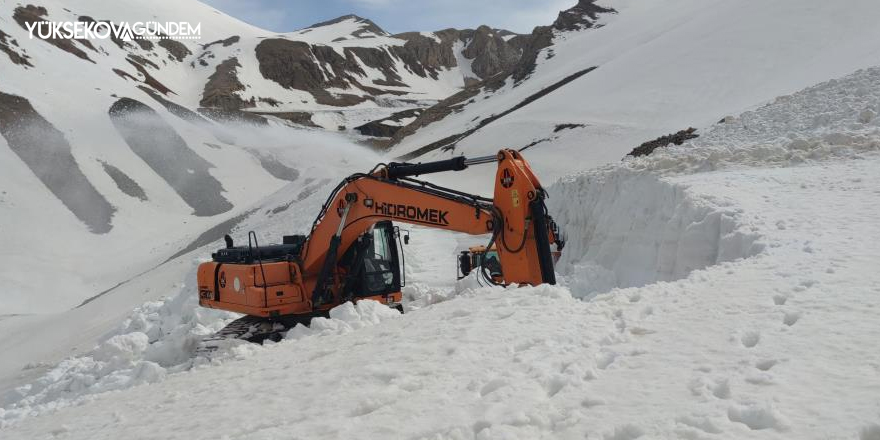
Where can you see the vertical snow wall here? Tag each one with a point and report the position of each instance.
(625, 228)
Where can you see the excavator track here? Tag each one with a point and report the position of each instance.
(251, 329)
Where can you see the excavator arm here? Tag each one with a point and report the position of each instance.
(516, 218)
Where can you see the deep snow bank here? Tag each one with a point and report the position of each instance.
(837, 119)
(159, 339)
(629, 229)
(633, 224)
(156, 339)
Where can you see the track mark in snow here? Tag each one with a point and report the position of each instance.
(481, 426)
(791, 318)
(366, 407)
(779, 300)
(757, 417)
(625, 432)
(700, 423)
(492, 386)
(760, 379)
(556, 384)
(605, 359)
(590, 402)
(766, 364)
(721, 389)
(750, 338)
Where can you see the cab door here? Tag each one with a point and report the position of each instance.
(373, 265)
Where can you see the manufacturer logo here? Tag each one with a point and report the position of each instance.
(424, 215)
(506, 178)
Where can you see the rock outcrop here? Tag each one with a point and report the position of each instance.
(367, 29)
(490, 52)
(220, 90)
(302, 66)
(676, 138)
(10, 47)
(30, 14)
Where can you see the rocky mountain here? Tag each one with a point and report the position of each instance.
(191, 132)
(585, 83)
(346, 62)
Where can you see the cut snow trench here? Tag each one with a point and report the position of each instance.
(630, 229)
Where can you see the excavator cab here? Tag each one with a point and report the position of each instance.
(372, 263)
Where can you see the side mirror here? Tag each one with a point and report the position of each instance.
(406, 238)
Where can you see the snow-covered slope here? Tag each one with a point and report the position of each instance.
(117, 154)
(660, 67)
(720, 289)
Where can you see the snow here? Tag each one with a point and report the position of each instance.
(725, 288)
(729, 297)
(400, 123)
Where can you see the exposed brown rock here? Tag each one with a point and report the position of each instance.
(220, 90)
(176, 50)
(560, 127)
(298, 65)
(581, 16)
(143, 61)
(124, 74)
(7, 45)
(271, 101)
(299, 118)
(676, 138)
(367, 26)
(377, 58)
(136, 61)
(378, 128)
(424, 56)
(226, 43)
(490, 53)
(144, 44)
(29, 14)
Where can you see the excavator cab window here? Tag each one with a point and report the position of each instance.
(373, 264)
(492, 263)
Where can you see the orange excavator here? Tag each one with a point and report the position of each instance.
(353, 251)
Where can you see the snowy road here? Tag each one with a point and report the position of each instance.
(780, 345)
